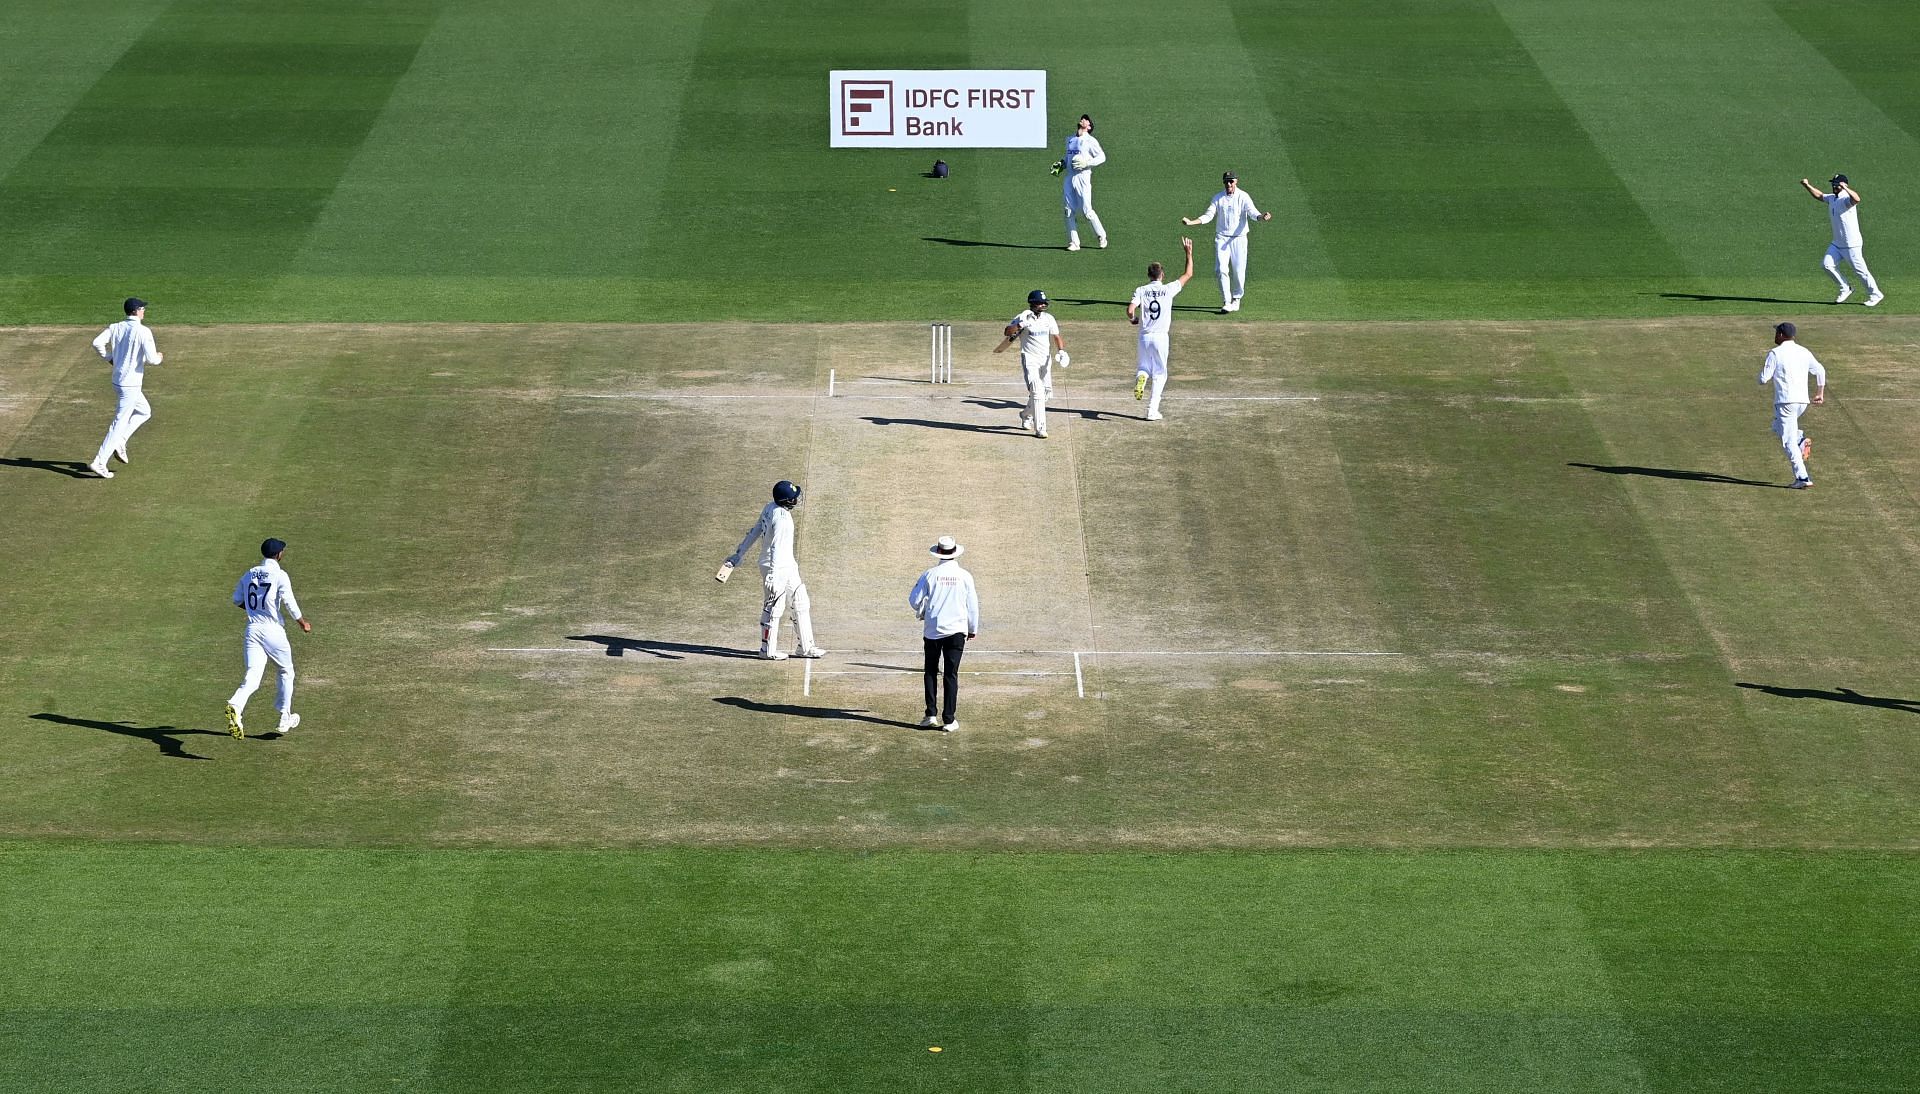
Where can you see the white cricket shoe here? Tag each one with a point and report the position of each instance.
(1074, 246)
(930, 722)
(1844, 293)
(1040, 433)
(1154, 416)
(288, 722)
(772, 655)
(1875, 299)
(120, 452)
(1103, 243)
(1234, 305)
(813, 652)
(950, 726)
(100, 469)
(1026, 420)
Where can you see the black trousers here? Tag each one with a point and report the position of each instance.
(948, 649)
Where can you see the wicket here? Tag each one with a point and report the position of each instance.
(940, 353)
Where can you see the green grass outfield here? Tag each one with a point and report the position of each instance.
(1446, 697)
(493, 160)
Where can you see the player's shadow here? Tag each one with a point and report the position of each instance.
(163, 736)
(991, 243)
(1708, 298)
(929, 424)
(1839, 695)
(73, 469)
(1670, 473)
(1017, 404)
(1081, 301)
(670, 651)
(838, 714)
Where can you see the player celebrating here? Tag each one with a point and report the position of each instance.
(1076, 190)
(1152, 310)
(1039, 337)
(261, 593)
(780, 574)
(1233, 209)
(1843, 209)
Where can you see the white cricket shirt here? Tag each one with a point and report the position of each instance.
(1036, 331)
(263, 590)
(1153, 303)
(1844, 212)
(775, 529)
(945, 597)
(1787, 368)
(1077, 145)
(129, 345)
(1230, 214)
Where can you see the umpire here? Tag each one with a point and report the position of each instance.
(945, 599)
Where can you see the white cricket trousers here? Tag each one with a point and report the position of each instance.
(131, 414)
(1076, 194)
(1230, 255)
(785, 593)
(1038, 376)
(1786, 426)
(1152, 359)
(1852, 256)
(266, 642)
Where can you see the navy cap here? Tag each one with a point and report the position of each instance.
(272, 548)
(1229, 176)
(1838, 178)
(134, 304)
(1787, 329)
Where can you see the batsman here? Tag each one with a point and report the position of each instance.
(780, 574)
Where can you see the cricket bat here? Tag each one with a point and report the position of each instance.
(726, 571)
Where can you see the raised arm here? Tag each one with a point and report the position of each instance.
(1812, 190)
(1187, 246)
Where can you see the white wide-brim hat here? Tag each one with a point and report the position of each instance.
(947, 548)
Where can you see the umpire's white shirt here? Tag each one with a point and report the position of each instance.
(1037, 329)
(1230, 214)
(262, 591)
(1787, 368)
(129, 345)
(775, 530)
(945, 597)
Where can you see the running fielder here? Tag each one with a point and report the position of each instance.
(1787, 369)
(129, 345)
(261, 593)
(780, 575)
(1231, 212)
(1151, 309)
(1041, 347)
(1076, 190)
(1843, 209)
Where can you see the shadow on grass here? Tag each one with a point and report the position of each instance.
(1669, 473)
(1708, 298)
(1839, 695)
(73, 469)
(162, 736)
(670, 651)
(991, 243)
(838, 714)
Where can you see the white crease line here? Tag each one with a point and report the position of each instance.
(746, 656)
(806, 682)
(917, 672)
(1079, 683)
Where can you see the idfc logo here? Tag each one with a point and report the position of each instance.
(904, 108)
(866, 108)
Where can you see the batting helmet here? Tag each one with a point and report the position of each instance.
(1036, 299)
(786, 494)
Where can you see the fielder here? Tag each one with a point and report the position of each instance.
(1151, 309)
(1234, 211)
(780, 575)
(1076, 190)
(1787, 368)
(129, 345)
(1843, 209)
(1041, 347)
(261, 593)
